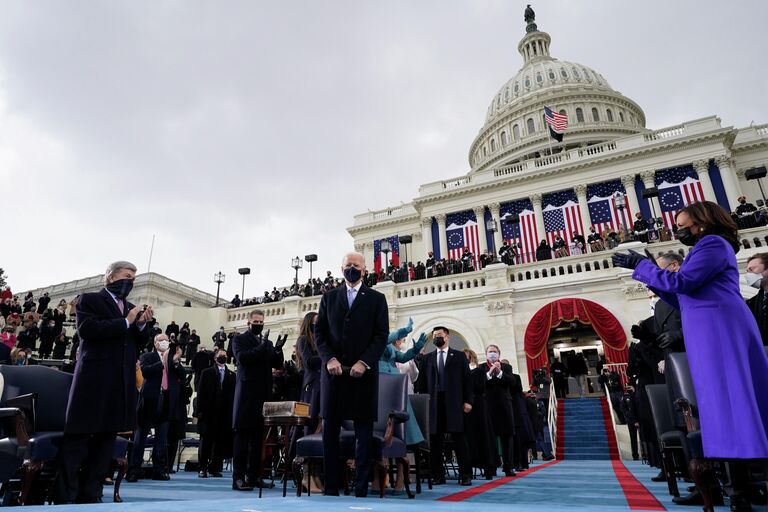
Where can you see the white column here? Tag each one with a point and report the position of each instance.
(629, 187)
(702, 169)
(480, 216)
(648, 178)
(581, 195)
(730, 182)
(536, 200)
(498, 236)
(426, 236)
(441, 232)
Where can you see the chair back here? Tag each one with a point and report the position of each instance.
(678, 376)
(420, 406)
(393, 396)
(51, 387)
(661, 408)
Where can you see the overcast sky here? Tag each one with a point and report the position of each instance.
(245, 133)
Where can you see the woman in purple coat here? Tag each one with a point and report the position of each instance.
(725, 353)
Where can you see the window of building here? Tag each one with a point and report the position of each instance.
(595, 115)
(527, 81)
(563, 73)
(539, 78)
(493, 145)
(485, 151)
(516, 132)
(579, 115)
(551, 75)
(504, 138)
(609, 115)
(621, 116)
(517, 87)
(531, 126)
(576, 73)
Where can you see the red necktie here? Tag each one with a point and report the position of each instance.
(164, 384)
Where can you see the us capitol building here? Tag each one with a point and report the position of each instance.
(512, 170)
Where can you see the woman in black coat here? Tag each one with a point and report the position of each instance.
(543, 251)
(310, 362)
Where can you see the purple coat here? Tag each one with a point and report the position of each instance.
(725, 352)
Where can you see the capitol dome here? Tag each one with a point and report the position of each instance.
(514, 128)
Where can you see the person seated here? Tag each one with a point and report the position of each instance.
(560, 247)
(595, 241)
(543, 251)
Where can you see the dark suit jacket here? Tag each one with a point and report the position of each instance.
(497, 395)
(215, 401)
(666, 319)
(310, 386)
(255, 359)
(458, 389)
(152, 370)
(103, 393)
(755, 305)
(351, 335)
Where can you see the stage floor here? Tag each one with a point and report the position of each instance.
(559, 486)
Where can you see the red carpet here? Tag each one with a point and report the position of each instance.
(474, 491)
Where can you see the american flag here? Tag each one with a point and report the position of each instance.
(678, 187)
(558, 121)
(524, 233)
(562, 216)
(380, 258)
(461, 231)
(602, 206)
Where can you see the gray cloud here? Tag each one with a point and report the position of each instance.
(245, 133)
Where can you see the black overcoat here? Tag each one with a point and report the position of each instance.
(458, 389)
(256, 357)
(152, 370)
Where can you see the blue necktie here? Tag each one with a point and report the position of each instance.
(350, 297)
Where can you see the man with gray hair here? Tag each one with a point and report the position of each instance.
(102, 399)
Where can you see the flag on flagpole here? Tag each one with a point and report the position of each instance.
(557, 123)
(462, 231)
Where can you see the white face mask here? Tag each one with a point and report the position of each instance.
(653, 302)
(753, 280)
(164, 344)
(492, 356)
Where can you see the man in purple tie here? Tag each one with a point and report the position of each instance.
(102, 399)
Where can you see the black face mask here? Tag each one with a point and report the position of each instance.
(439, 341)
(686, 237)
(221, 359)
(120, 288)
(257, 328)
(352, 274)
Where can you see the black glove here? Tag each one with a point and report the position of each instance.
(638, 332)
(280, 342)
(668, 339)
(630, 260)
(265, 336)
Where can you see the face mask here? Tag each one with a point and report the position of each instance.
(754, 280)
(439, 341)
(20, 362)
(257, 328)
(492, 356)
(743, 202)
(121, 288)
(221, 359)
(686, 237)
(352, 275)
(653, 302)
(163, 345)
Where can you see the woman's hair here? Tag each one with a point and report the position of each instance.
(306, 332)
(471, 356)
(712, 219)
(15, 354)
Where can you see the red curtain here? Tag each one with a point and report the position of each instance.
(586, 312)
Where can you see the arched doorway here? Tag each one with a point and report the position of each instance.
(583, 311)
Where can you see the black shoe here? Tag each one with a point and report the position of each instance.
(215, 474)
(547, 458)
(202, 474)
(659, 478)
(740, 503)
(635, 457)
(331, 492)
(161, 476)
(240, 485)
(132, 477)
(510, 473)
(438, 480)
(465, 481)
(693, 498)
(361, 493)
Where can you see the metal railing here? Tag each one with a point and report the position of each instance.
(552, 416)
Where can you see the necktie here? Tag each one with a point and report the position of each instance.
(441, 370)
(164, 384)
(120, 306)
(350, 296)
(221, 375)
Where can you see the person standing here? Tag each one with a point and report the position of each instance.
(102, 399)
(577, 368)
(215, 399)
(728, 364)
(757, 270)
(497, 394)
(256, 357)
(192, 344)
(200, 361)
(449, 384)
(560, 376)
(628, 409)
(310, 362)
(352, 330)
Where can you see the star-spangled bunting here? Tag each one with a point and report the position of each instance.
(562, 216)
(461, 231)
(523, 233)
(602, 206)
(379, 258)
(678, 187)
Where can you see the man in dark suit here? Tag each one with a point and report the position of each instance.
(172, 328)
(449, 385)
(757, 269)
(256, 357)
(160, 396)
(102, 399)
(666, 325)
(215, 398)
(560, 377)
(351, 334)
(499, 385)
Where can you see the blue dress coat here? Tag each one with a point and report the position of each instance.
(725, 352)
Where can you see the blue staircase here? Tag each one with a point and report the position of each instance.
(584, 435)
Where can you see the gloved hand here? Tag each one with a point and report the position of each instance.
(630, 260)
(265, 336)
(638, 332)
(281, 341)
(410, 325)
(668, 339)
(419, 344)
